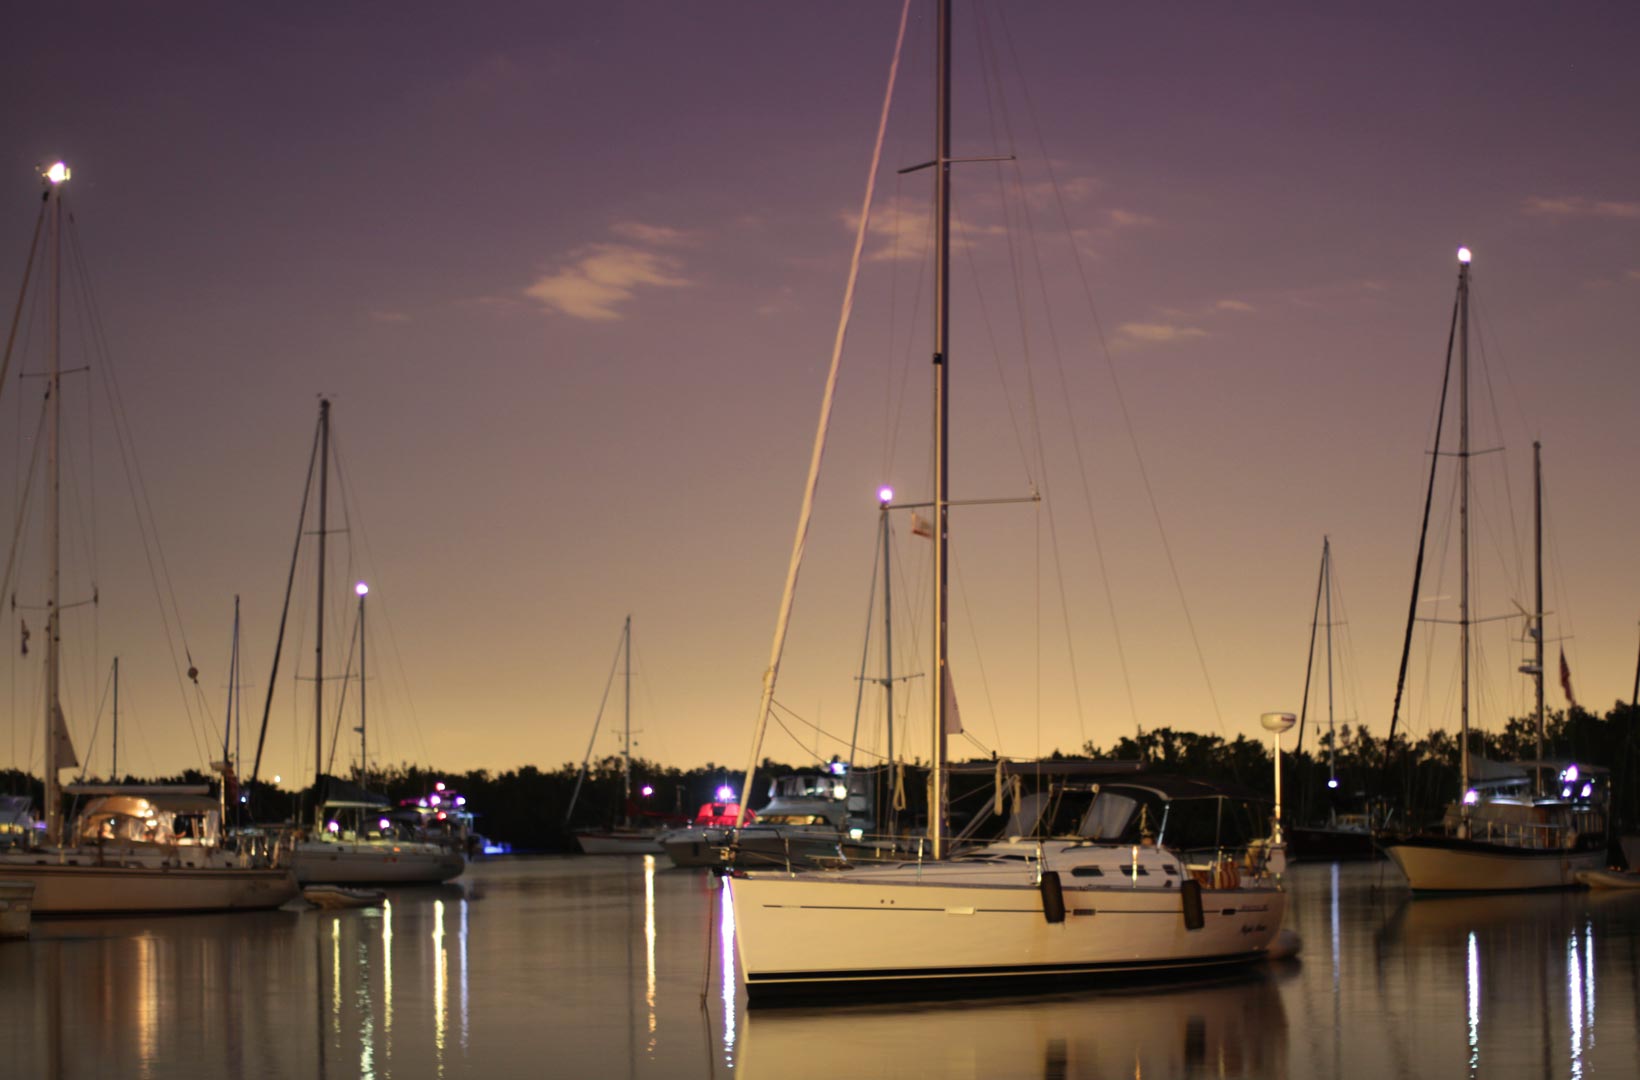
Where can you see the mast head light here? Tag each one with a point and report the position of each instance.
(1464, 255)
(1332, 782)
(1471, 797)
(57, 173)
(648, 791)
(885, 494)
(362, 589)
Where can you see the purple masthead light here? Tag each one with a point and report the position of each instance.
(361, 588)
(1464, 256)
(885, 494)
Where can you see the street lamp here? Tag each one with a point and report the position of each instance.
(1276, 723)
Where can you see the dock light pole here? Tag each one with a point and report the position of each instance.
(1276, 723)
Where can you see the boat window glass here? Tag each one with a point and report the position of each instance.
(1023, 822)
(1065, 816)
(1109, 816)
(1087, 871)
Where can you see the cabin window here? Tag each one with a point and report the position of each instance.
(1108, 816)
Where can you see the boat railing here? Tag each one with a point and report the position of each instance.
(1524, 834)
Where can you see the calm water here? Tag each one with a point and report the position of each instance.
(610, 967)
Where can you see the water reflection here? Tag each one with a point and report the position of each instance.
(1226, 1029)
(621, 968)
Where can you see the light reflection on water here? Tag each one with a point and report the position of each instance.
(617, 967)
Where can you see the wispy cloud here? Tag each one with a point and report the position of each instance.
(652, 235)
(595, 281)
(1136, 335)
(1579, 206)
(902, 228)
(1128, 219)
(1233, 305)
(1632, 275)
(390, 316)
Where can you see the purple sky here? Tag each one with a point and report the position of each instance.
(570, 274)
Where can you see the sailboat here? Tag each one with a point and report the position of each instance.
(1091, 880)
(1346, 833)
(1506, 831)
(353, 837)
(132, 848)
(638, 832)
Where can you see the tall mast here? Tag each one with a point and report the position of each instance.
(114, 766)
(626, 742)
(942, 417)
(319, 635)
(1537, 552)
(1463, 531)
(1332, 739)
(54, 386)
(888, 660)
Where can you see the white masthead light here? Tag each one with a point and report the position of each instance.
(1463, 255)
(58, 173)
(361, 588)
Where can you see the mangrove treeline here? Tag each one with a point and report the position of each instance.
(1410, 781)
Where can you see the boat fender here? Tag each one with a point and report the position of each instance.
(1191, 895)
(1053, 897)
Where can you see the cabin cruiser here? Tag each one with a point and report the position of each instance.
(811, 817)
(1504, 837)
(357, 841)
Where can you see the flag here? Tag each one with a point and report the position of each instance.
(953, 719)
(1566, 680)
(25, 637)
(921, 526)
(66, 757)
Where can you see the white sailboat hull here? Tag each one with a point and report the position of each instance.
(801, 933)
(344, 863)
(1438, 865)
(64, 888)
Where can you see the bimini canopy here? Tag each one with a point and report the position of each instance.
(151, 819)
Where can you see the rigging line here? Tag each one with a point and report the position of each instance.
(137, 486)
(777, 646)
(776, 709)
(284, 611)
(380, 605)
(22, 295)
(1309, 658)
(28, 487)
(1122, 409)
(996, 101)
(1563, 607)
(96, 726)
(1053, 522)
(609, 684)
(907, 359)
(1423, 532)
(865, 646)
(979, 653)
(1484, 352)
(341, 703)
